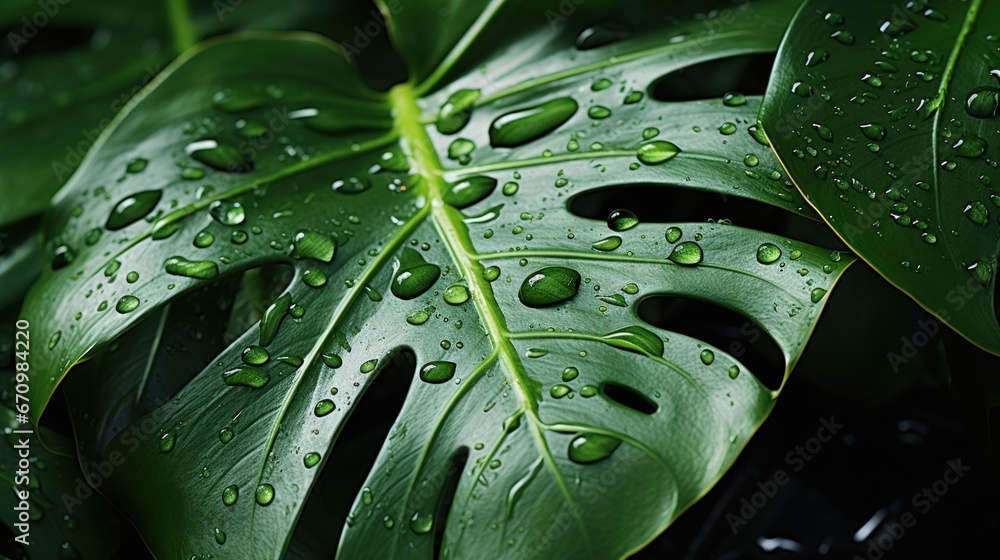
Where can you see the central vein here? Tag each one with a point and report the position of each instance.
(450, 226)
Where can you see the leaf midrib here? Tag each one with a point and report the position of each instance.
(449, 224)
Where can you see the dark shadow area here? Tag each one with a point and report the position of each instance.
(724, 329)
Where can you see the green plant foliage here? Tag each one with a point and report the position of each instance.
(433, 219)
(884, 116)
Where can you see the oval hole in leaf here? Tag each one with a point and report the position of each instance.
(347, 464)
(747, 74)
(675, 204)
(724, 329)
(630, 398)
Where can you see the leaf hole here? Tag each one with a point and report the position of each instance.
(722, 328)
(350, 461)
(678, 204)
(747, 74)
(629, 398)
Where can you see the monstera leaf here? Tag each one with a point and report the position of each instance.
(887, 119)
(543, 416)
(67, 68)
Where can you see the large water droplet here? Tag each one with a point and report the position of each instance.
(768, 253)
(412, 275)
(524, 125)
(687, 254)
(621, 220)
(549, 286)
(656, 152)
(601, 34)
(437, 372)
(230, 494)
(977, 212)
(324, 407)
(983, 102)
(608, 243)
(223, 157)
(202, 270)
(469, 191)
(421, 523)
(127, 304)
(246, 376)
(313, 245)
(455, 113)
(227, 212)
(591, 448)
(133, 208)
(272, 318)
(636, 339)
(264, 494)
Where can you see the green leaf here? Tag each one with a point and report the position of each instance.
(476, 265)
(886, 119)
(67, 69)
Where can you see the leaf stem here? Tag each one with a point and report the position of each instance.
(183, 28)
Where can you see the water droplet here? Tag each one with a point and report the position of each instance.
(412, 275)
(633, 97)
(524, 125)
(324, 407)
(222, 157)
(460, 149)
(657, 152)
(469, 191)
(456, 294)
(220, 536)
(313, 245)
(559, 391)
(608, 243)
(601, 34)
(977, 212)
(136, 165)
(686, 254)
(983, 102)
(601, 84)
(332, 361)
(54, 339)
(727, 129)
(591, 448)
(264, 494)
(368, 366)
(843, 37)
(734, 99)
(598, 112)
(817, 294)
(874, 131)
(707, 357)
(127, 304)
(227, 212)
(970, 146)
(314, 278)
(311, 459)
(167, 441)
(202, 270)
(230, 494)
(570, 373)
(255, 356)
(246, 376)
(549, 286)
(510, 188)
(226, 435)
(133, 208)
(635, 339)
(237, 100)
(768, 253)
(622, 220)
(421, 523)
(351, 185)
(455, 113)
(981, 272)
(823, 132)
(734, 372)
(673, 234)
(437, 372)
(816, 56)
(272, 318)
(491, 273)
